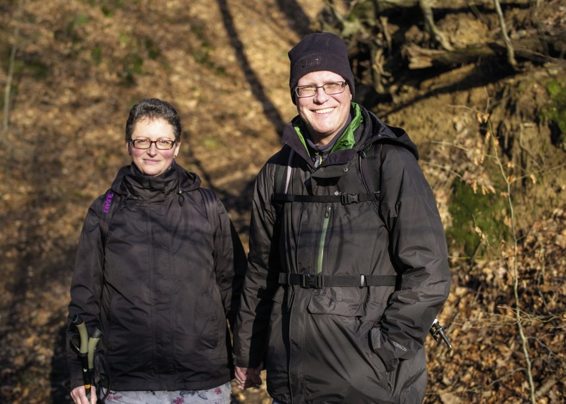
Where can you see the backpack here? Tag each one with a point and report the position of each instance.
(370, 161)
(371, 174)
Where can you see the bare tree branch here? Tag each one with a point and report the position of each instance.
(508, 45)
(528, 48)
(8, 87)
(515, 272)
(438, 35)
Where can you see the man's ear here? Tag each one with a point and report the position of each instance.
(128, 148)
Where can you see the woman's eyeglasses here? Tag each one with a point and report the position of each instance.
(160, 144)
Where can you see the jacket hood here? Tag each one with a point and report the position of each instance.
(130, 181)
(375, 130)
(371, 130)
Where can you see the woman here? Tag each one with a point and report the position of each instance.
(159, 272)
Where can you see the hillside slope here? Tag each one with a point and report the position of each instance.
(486, 138)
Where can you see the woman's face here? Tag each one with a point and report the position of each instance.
(153, 161)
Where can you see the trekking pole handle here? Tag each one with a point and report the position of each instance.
(92, 342)
(438, 333)
(84, 352)
(83, 333)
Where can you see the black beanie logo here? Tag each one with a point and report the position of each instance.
(311, 62)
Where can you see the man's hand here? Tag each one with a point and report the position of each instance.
(78, 394)
(248, 377)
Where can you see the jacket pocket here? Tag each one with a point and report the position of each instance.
(208, 317)
(346, 302)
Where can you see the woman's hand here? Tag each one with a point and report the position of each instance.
(78, 394)
(248, 377)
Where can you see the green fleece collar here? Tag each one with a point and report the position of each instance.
(346, 141)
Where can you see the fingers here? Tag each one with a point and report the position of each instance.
(78, 394)
(241, 376)
(248, 377)
(93, 395)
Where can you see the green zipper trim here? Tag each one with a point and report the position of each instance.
(320, 257)
(346, 141)
(297, 125)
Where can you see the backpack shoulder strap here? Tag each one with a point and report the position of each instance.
(371, 159)
(283, 175)
(210, 201)
(111, 201)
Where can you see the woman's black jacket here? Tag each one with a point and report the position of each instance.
(160, 282)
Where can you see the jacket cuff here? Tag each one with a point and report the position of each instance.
(76, 381)
(248, 365)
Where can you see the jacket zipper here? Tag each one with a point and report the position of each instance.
(322, 242)
(290, 361)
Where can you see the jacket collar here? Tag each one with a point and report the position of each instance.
(365, 129)
(130, 181)
(295, 134)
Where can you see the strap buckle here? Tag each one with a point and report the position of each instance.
(346, 199)
(309, 281)
(363, 281)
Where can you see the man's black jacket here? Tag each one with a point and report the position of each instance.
(343, 344)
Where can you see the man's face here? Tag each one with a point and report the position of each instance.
(324, 114)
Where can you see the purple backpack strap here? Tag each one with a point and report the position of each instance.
(108, 208)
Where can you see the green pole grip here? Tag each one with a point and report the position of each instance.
(92, 343)
(83, 333)
(83, 351)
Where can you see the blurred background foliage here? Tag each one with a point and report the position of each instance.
(487, 110)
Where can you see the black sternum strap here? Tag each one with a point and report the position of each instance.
(327, 281)
(344, 199)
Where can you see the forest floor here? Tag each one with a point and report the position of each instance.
(78, 68)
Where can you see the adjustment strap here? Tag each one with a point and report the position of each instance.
(344, 199)
(327, 281)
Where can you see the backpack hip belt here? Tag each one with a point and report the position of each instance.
(312, 281)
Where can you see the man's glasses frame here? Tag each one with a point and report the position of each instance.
(330, 88)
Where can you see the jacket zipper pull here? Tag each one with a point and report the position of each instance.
(317, 160)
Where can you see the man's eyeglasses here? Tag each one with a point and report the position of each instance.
(160, 144)
(330, 88)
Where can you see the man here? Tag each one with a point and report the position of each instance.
(348, 263)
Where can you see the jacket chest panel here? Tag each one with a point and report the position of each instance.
(158, 244)
(332, 237)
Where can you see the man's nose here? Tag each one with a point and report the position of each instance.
(320, 95)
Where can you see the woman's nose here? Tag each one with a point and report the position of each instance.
(152, 149)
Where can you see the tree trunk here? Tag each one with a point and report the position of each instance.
(384, 5)
(529, 48)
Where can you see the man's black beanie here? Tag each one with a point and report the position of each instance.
(317, 52)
